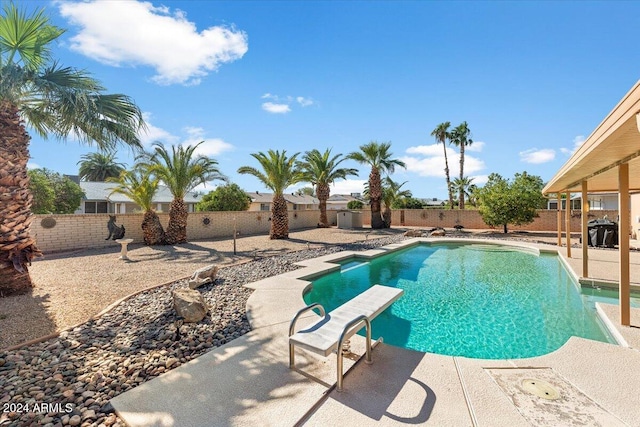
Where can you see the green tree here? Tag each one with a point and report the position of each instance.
(181, 171)
(407, 203)
(442, 135)
(67, 195)
(100, 166)
(322, 170)
(42, 191)
(229, 197)
(463, 186)
(391, 193)
(306, 191)
(278, 172)
(378, 157)
(55, 101)
(141, 187)
(461, 138)
(355, 204)
(504, 202)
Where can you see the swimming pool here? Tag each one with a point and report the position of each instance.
(474, 300)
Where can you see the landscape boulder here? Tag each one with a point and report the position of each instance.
(438, 232)
(190, 305)
(202, 276)
(413, 233)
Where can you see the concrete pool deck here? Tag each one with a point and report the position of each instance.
(247, 381)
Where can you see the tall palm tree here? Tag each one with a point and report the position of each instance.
(321, 170)
(181, 171)
(377, 156)
(461, 138)
(54, 101)
(391, 192)
(141, 188)
(278, 172)
(100, 166)
(441, 133)
(464, 186)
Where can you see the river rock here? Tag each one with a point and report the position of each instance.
(190, 305)
(413, 233)
(202, 276)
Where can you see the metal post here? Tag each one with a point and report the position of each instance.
(585, 231)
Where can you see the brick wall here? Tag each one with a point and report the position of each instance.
(90, 230)
(471, 219)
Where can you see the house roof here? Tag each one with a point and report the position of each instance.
(295, 199)
(341, 198)
(614, 142)
(102, 191)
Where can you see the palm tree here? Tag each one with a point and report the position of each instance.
(100, 166)
(141, 188)
(181, 171)
(391, 193)
(54, 101)
(464, 186)
(278, 173)
(377, 156)
(321, 170)
(441, 133)
(461, 138)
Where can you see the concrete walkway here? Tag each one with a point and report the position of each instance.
(247, 381)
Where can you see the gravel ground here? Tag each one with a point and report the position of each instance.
(69, 380)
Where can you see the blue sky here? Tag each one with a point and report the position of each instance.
(532, 79)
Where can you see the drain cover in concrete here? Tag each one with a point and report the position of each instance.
(544, 398)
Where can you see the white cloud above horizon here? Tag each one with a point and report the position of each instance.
(535, 156)
(274, 108)
(476, 147)
(155, 37)
(429, 161)
(577, 142)
(32, 165)
(283, 104)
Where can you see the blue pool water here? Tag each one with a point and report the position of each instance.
(473, 300)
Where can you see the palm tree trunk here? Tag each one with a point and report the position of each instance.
(177, 227)
(386, 217)
(323, 191)
(17, 247)
(446, 171)
(375, 195)
(461, 195)
(279, 218)
(152, 230)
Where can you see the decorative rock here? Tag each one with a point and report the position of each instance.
(438, 232)
(202, 276)
(75, 420)
(413, 233)
(190, 305)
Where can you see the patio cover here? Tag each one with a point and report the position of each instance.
(609, 160)
(615, 141)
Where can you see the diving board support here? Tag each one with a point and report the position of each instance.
(328, 334)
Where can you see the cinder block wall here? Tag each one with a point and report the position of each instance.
(471, 219)
(90, 230)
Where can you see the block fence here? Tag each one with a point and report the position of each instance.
(471, 219)
(72, 232)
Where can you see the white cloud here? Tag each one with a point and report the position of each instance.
(154, 133)
(536, 156)
(274, 108)
(480, 180)
(31, 165)
(348, 186)
(476, 147)
(305, 102)
(577, 142)
(137, 33)
(431, 161)
(210, 147)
